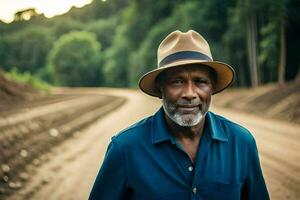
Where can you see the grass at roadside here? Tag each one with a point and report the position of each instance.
(28, 78)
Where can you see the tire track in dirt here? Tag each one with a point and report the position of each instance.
(279, 147)
(27, 136)
(72, 168)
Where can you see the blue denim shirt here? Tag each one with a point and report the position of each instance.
(144, 162)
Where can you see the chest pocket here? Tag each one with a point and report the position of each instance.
(219, 190)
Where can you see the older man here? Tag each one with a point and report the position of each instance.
(183, 151)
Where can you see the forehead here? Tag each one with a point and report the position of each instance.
(196, 70)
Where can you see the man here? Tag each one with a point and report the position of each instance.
(183, 151)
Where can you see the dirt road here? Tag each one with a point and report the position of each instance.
(71, 169)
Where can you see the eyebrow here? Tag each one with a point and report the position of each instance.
(179, 73)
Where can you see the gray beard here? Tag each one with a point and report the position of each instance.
(180, 119)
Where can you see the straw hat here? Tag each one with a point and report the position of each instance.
(179, 49)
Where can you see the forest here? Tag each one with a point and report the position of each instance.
(112, 43)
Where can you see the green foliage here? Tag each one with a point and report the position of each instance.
(98, 9)
(268, 46)
(27, 78)
(144, 59)
(116, 63)
(75, 60)
(234, 45)
(130, 31)
(121, 59)
(140, 16)
(104, 30)
(26, 50)
(66, 25)
(182, 18)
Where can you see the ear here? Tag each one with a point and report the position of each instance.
(158, 88)
(160, 96)
(159, 91)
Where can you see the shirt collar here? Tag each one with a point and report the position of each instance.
(215, 128)
(160, 132)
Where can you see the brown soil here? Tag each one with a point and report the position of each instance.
(30, 129)
(281, 102)
(31, 126)
(12, 93)
(73, 166)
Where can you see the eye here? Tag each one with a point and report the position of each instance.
(176, 81)
(201, 81)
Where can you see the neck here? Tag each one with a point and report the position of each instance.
(183, 132)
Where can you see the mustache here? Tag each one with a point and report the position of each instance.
(185, 102)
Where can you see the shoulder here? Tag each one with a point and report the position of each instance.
(134, 133)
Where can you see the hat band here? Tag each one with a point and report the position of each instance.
(183, 55)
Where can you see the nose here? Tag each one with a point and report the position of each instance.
(189, 91)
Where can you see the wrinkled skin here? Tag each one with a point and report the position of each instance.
(186, 94)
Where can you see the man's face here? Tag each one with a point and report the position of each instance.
(186, 94)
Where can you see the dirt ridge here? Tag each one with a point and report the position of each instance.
(26, 142)
(271, 100)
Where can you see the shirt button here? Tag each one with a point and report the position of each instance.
(191, 168)
(194, 190)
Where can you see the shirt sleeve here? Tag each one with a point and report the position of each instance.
(254, 187)
(111, 179)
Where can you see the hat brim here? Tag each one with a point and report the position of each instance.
(225, 75)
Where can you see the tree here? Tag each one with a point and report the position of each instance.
(27, 49)
(233, 41)
(66, 25)
(116, 65)
(144, 59)
(259, 38)
(104, 30)
(182, 18)
(282, 58)
(279, 8)
(25, 14)
(273, 39)
(75, 60)
(249, 11)
(269, 54)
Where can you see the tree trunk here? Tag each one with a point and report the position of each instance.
(282, 58)
(297, 79)
(252, 48)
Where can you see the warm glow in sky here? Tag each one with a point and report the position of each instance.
(49, 7)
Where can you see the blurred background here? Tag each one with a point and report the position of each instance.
(118, 39)
(46, 47)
